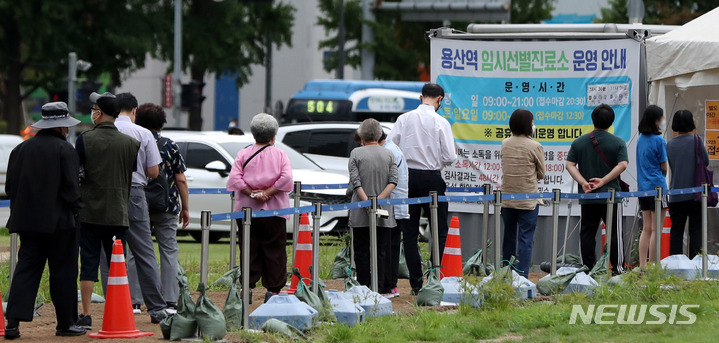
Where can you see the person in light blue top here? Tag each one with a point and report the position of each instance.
(652, 168)
(401, 215)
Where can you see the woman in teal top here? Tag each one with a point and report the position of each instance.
(651, 173)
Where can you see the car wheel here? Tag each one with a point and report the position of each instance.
(214, 236)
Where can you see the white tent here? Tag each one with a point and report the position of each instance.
(683, 68)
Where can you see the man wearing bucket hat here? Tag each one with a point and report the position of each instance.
(107, 160)
(42, 183)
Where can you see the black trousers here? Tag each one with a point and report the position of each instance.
(395, 239)
(680, 212)
(592, 215)
(421, 182)
(361, 244)
(60, 251)
(268, 255)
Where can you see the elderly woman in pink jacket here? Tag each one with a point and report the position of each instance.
(261, 178)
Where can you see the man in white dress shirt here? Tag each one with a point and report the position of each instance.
(427, 142)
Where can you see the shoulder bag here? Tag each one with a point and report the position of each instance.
(702, 174)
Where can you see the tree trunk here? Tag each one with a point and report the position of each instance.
(194, 121)
(12, 101)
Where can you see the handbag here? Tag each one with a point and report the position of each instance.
(702, 174)
(623, 186)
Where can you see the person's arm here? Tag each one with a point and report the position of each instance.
(183, 189)
(446, 142)
(284, 182)
(663, 156)
(152, 157)
(613, 174)
(236, 182)
(539, 162)
(577, 176)
(392, 184)
(70, 186)
(152, 172)
(664, 167)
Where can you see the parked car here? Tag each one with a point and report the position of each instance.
(7, 143)
(209, 156)
(326, 143)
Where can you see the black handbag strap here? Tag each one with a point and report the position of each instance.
(599, 150)
(253, 156)
(698, 146)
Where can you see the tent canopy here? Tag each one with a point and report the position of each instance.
(691, 48)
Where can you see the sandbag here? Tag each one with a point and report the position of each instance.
(226, 279)
(402, 271)
(473, 266)
(277, 326)
(166, 326)
(209, 318)
(305, 295)
(550, 285)
(599, 272)
(182, 327)
(233, 305)
(182, 324)
(342, 265)
(350, 282)
(431, 293)
(185, 304)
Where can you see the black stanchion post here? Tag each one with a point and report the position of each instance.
(555, 228)
(296, 219)
(233, 234)
(610, 226)
(316, 218)
(485, 228)
(205, 223)
(497, 227)
(658, 224)
(246, 223)
(705, 194)
(434, 225)
(373, 243)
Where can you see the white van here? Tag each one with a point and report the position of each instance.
(7, 143)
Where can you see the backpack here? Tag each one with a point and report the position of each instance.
(157, 191)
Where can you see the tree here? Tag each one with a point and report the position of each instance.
(36, 37)
(226, 37)
(666, 12)
(400, 47)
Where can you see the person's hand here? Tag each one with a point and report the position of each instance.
(597, 182)
(588, 187)
(185, 217)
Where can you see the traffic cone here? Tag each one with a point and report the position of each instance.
(666, 235)
(118, 320)
(452, 258)
(303, 253)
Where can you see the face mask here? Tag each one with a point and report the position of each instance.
(663, 126)
(534, 129)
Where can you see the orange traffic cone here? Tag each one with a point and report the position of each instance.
(303, 254)
(118, 320)
(452, 258)
(666, 235)
(2, 314)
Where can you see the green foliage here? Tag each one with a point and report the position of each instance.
(531, 11)
(666, 12)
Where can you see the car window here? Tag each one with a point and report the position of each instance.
(297, 140)
(199, 155)
(297, 160)
(337, 143)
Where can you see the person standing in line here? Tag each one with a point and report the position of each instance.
(42, 183)
(682, 162)
(651, 172)
(261, 178)
(427, 142)
(373, 172)
(401, 216)
(164, 224)
(107, 161)
(597, 172)
(141, 261)
(522, 167)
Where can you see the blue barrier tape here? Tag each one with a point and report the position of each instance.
(585, 196)
(326, 186)
(685, 191)
(465, 198)
(714, 189)
(465, 189)
(344, 207)
(4, 203)
(523, 196)
(409, 201)
(208, 191)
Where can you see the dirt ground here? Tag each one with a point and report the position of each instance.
(42, 329)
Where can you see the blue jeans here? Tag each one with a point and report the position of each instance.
(518, 238)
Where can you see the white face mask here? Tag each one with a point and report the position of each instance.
(534, 129)
(663, 126)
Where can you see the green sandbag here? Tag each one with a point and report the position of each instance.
(350, 282)
(431, 293)
(600, 271)
(342, 263)
(183, 324)
(402, 271)
(166, 325)
(233, 305)
(277, 326)
(209, 318)
(182, 327)
(304, 294)
(556, 284)
(185, 304)
(473, 266)
(569, 259)
(320, 290)
(226, 279)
